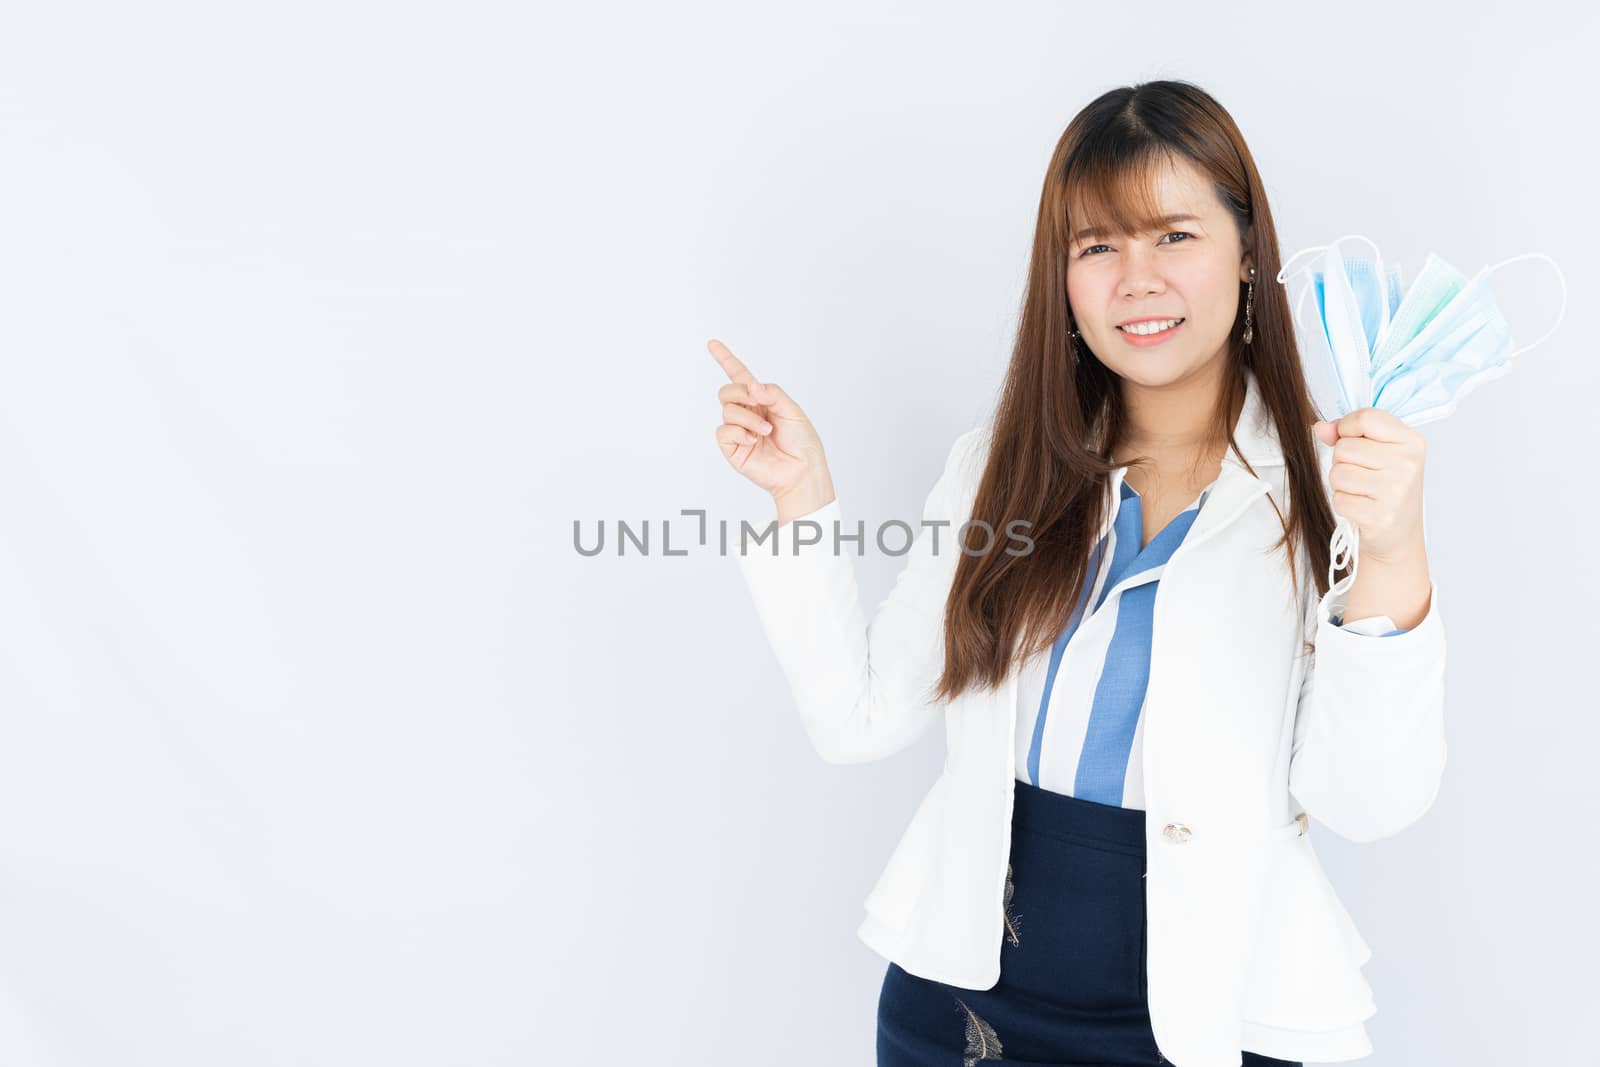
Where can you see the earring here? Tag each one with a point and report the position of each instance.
(1073, 335)
(1249, 299)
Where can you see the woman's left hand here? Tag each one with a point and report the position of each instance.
(1377, 483)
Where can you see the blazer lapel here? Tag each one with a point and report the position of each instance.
(1233, 493)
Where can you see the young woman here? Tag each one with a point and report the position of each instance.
(1118, 605)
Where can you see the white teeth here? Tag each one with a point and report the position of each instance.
(1153, 326)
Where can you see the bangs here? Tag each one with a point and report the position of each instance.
(1110, 196)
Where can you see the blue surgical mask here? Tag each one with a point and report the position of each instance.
(1416, 354)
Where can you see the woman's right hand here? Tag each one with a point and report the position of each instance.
(767, 438)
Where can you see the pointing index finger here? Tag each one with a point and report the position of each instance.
(736, 371)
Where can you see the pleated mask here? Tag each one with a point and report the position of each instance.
(1415, 353)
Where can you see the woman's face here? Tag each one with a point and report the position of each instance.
(1189, 269)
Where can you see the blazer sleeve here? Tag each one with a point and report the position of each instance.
(861, 686)
(1369, 748)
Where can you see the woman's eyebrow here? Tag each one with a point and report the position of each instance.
(1165, 220)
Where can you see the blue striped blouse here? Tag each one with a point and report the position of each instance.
(1080, 715)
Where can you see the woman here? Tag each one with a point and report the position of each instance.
(1114, 865)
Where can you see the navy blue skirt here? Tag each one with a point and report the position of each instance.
(1072, 987)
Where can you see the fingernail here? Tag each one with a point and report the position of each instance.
(766, 427)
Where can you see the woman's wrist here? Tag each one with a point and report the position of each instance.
(803, 498)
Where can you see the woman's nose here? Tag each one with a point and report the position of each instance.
(1141, 275)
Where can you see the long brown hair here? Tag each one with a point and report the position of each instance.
(1058, 420)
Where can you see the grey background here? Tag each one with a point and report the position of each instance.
(321, 323)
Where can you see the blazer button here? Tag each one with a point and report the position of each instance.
(1176, 832)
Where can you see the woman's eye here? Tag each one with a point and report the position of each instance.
(1174, 233)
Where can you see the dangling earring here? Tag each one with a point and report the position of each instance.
(1249, 298)
(1077, 359)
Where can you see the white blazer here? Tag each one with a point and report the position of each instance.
(1248, 945)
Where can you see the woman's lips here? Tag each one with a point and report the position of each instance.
(1153, 339)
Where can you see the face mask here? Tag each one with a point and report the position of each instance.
(1413, 355)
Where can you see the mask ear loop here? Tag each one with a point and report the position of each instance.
(1344, 549)
(1284, 273)
(1560, 277)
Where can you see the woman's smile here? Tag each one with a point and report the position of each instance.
(1152, 332)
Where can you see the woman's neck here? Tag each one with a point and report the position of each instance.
(1173, 425)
